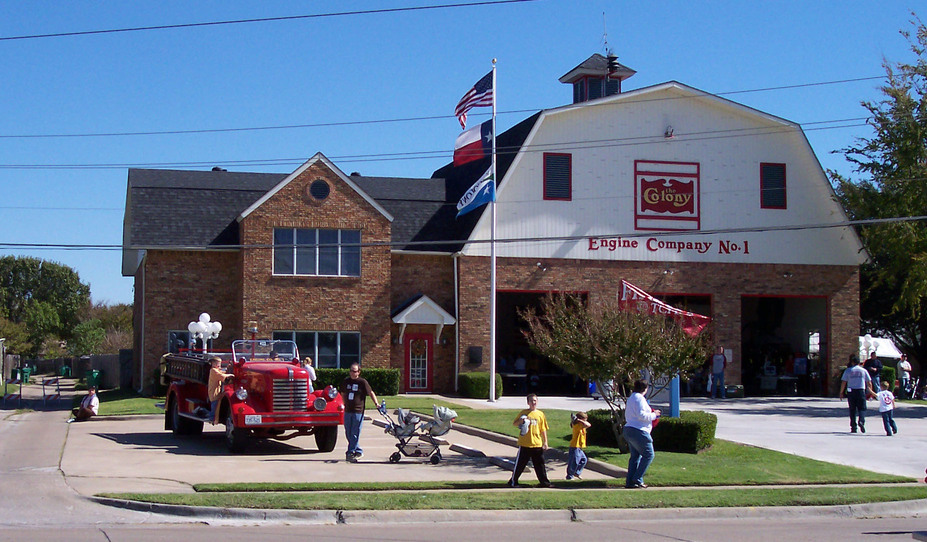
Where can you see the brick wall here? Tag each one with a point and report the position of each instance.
(319, 303)
(431, 275)
(724, 283)
(178, 287)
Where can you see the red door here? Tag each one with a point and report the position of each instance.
(419, 352)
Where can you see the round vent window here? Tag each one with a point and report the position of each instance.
(319, 190)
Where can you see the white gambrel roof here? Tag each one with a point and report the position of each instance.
(726, 141)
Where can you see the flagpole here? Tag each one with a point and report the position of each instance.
(492, 251)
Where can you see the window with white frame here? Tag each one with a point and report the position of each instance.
(328, 349)
(300, 251)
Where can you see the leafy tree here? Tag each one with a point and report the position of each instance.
(613, 347)
(893, 163)
(41, 321)
(87, 338)
(47, 297)
(16, 335)
(116, 322)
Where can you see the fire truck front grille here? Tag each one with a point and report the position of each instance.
(290, 395)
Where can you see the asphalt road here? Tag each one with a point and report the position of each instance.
(659, 529)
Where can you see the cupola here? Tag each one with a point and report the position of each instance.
(596, 77)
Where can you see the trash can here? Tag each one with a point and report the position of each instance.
(14, 374)
(27, 373)
(64, 371)
(93, 378)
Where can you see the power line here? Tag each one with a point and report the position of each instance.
(446, 154)
(400, 119)
(513, 240)
(258, 20)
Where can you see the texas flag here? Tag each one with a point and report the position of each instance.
(473, 144)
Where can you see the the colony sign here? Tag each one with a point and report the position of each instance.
(666, 195)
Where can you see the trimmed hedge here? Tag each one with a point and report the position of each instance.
(383, 381)
(887, 375)
(600, 432)
(476, 385)
(692, 432)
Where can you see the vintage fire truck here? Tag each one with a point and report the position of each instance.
(268, 396)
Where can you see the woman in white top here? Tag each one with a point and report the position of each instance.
(639, 419)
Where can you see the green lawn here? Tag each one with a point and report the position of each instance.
(725, 463)
(529, 499)
(122, 402)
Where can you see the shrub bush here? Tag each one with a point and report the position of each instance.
(476, 385)
(383, 381)
(692, 432)
(600, 431)
(887, 375)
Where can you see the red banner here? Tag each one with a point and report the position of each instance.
(634, 299)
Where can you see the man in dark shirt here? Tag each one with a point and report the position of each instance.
(874, 367)
(355, 390)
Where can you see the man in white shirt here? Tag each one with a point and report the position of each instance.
(904, 375)
(89, 406)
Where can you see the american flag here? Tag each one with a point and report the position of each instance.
(478, 96)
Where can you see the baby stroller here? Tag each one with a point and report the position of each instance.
(408, 427)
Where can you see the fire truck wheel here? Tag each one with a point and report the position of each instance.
(326, 437)
(181, 425)
(236, 439)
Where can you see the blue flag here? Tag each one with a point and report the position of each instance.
(482, 192)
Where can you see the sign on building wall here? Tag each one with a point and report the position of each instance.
(666, 195)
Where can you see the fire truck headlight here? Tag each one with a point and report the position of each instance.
(241, 394)
(319, 404)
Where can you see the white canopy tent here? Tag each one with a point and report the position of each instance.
(883, 346)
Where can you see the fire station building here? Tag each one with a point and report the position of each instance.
(710, 205)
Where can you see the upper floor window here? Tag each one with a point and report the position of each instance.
(329, 349)
(772, 186)
(317, 252)
(558, 176)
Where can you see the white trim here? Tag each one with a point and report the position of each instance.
(319, 157)
(424, 311)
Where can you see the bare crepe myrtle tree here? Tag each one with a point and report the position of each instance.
(612, 347)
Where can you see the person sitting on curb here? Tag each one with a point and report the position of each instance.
(89, 406)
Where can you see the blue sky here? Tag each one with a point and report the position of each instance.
(374, 67)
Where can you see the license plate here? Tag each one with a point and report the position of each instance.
(252, 419)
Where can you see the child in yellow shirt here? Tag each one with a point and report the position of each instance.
(577, 460)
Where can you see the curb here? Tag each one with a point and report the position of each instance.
(916, 508)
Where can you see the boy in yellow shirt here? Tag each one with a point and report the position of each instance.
(577, 460)
(532, 442)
